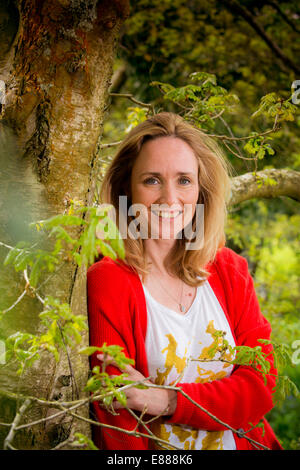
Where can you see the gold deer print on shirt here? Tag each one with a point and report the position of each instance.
(213, 441)
(172, 360)
(186, 435)
(217, 344)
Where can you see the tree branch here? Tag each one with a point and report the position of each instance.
(13, 429)
(79, 403)
(265, 184)
(134, 100)
(133, 432)
(118, 79)
(276, 7)
(250, 19)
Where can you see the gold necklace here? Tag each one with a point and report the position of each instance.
(182, 308)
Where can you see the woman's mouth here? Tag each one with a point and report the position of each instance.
(166, 214)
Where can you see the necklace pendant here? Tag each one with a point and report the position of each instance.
(182, 308)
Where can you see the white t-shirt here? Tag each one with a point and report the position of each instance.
(172, 341)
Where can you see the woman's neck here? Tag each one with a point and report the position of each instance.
(156, 252)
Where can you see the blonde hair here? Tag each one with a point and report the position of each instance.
(214, 184)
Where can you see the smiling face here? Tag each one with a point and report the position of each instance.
(164, 180)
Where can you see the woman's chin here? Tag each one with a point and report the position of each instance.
(165, 232)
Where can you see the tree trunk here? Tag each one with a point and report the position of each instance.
(57, 72)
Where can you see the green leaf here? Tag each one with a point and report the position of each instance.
(106, 249)
(121, 397)
(89, 350)
(23, 260)
(35, 272)
(166, 87)
(61, 219)
(62, 234)
(107, 401)
(118, 246)
(203, 76)
(83, 441)
(93, 385)
(284, 387)
(10, 257)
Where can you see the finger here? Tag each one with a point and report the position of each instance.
(106, 358)
(122, 381)
(127, 368)
(102, 356)
(117, 405)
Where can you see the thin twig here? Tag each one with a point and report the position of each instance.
(47, 418)
(105, 161)
(111, 144)
(208, 413)
(131, 433)
(14, 426)
(248, 137)
(18, 249)
(9, 247)
(144, 424)
(219, 114)
(28, 285)
(50, 276)
(5, 424)
(75, 404)
(138, 418)
(231, 134)
(10, 447)
(82, 402)
(15, 303)
(61, 444)
(74, 383)
(40, 401)
(134, 100)
(236, 154)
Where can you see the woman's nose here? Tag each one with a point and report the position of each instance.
(169, 194)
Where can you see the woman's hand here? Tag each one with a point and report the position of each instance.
(158, 401)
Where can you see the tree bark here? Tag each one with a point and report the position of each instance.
(57, 90)
(57, 75)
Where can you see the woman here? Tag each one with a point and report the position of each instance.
(179, 298)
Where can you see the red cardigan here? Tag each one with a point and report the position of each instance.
(118, 315)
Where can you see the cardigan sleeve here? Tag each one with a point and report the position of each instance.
(110, 321)
(243, 397)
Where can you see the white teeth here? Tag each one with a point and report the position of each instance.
(166, 215)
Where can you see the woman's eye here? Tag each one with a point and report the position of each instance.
(184, 181)
(150, 181)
